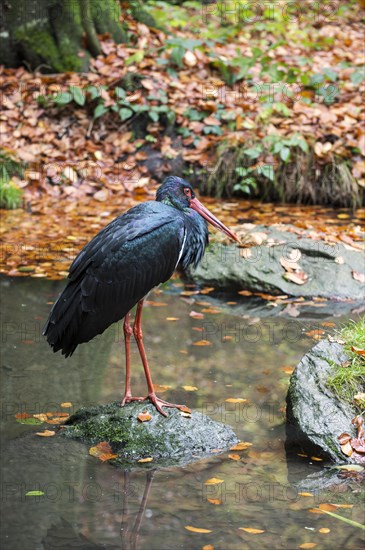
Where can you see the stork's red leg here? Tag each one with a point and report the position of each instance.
(127, 343)
(137, 331)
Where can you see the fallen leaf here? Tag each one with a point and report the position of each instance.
(34, 494)
(305, 494)
(360, 277)
(22, 415)
(190, 388)
(46, 433)
(197, 529)
(56, 420)
(324, 530)
(308, 545)
(350, 467)
(207, 290)
(149, 459)
(43, 417)
(344, 438)
(299, 278)
(347, 449)
(251, 530)
(234, 457)
(144, 416)
(102, 451)
(215, 501)
(359, 351)
(358, 445)
(213, 481)
(66, 405)
(236, 400)
(202, 343)
(241, 446)
(289, 265)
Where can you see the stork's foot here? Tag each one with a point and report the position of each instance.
(156, 401)
(129, 399)
(159, 403)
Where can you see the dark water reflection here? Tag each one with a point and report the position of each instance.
(88, 504)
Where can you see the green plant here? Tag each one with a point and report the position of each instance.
(349, 378)
(10, 194)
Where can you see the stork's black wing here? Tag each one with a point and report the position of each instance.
(116, 269)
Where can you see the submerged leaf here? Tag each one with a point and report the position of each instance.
(197, 529)
(213, 481)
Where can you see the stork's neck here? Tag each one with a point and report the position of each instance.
(175, 203)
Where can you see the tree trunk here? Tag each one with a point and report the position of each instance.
(56, 35)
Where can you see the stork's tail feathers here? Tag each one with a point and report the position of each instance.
(64, 320)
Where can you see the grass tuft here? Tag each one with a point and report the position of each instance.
(350, 380)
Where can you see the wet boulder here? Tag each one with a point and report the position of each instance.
(284, 260)
(174, 440)
(315, 415)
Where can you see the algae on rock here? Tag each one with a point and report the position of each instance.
(172, 440)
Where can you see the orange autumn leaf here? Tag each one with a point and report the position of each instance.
(234, 457)
(305, 494)
(235, 400)
(324, 530)
(197, 529)
(213, 481)
(308, 545)
(207, 290)
(202, 343)
(208, 547)
(22, 415)
(196, 315)
(143, 460)
(144, 416)
(359, 351)
(66, 405)
(251, 530)
(102, 451)
(46, 433)
(56, 420)
(215, 501)
(43, 417)
(241, 446)
(190, 388)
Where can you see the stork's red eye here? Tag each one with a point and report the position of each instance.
(187, 192)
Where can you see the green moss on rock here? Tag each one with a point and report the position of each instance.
(172, 440)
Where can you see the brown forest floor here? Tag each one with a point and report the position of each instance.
(82, 170)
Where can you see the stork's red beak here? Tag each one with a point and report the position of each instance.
(204, 212)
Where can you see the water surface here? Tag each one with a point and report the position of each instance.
(89, 504)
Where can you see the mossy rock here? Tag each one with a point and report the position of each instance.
(172, 440)
(316, 416)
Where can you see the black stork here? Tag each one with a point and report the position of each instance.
(133, 254)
